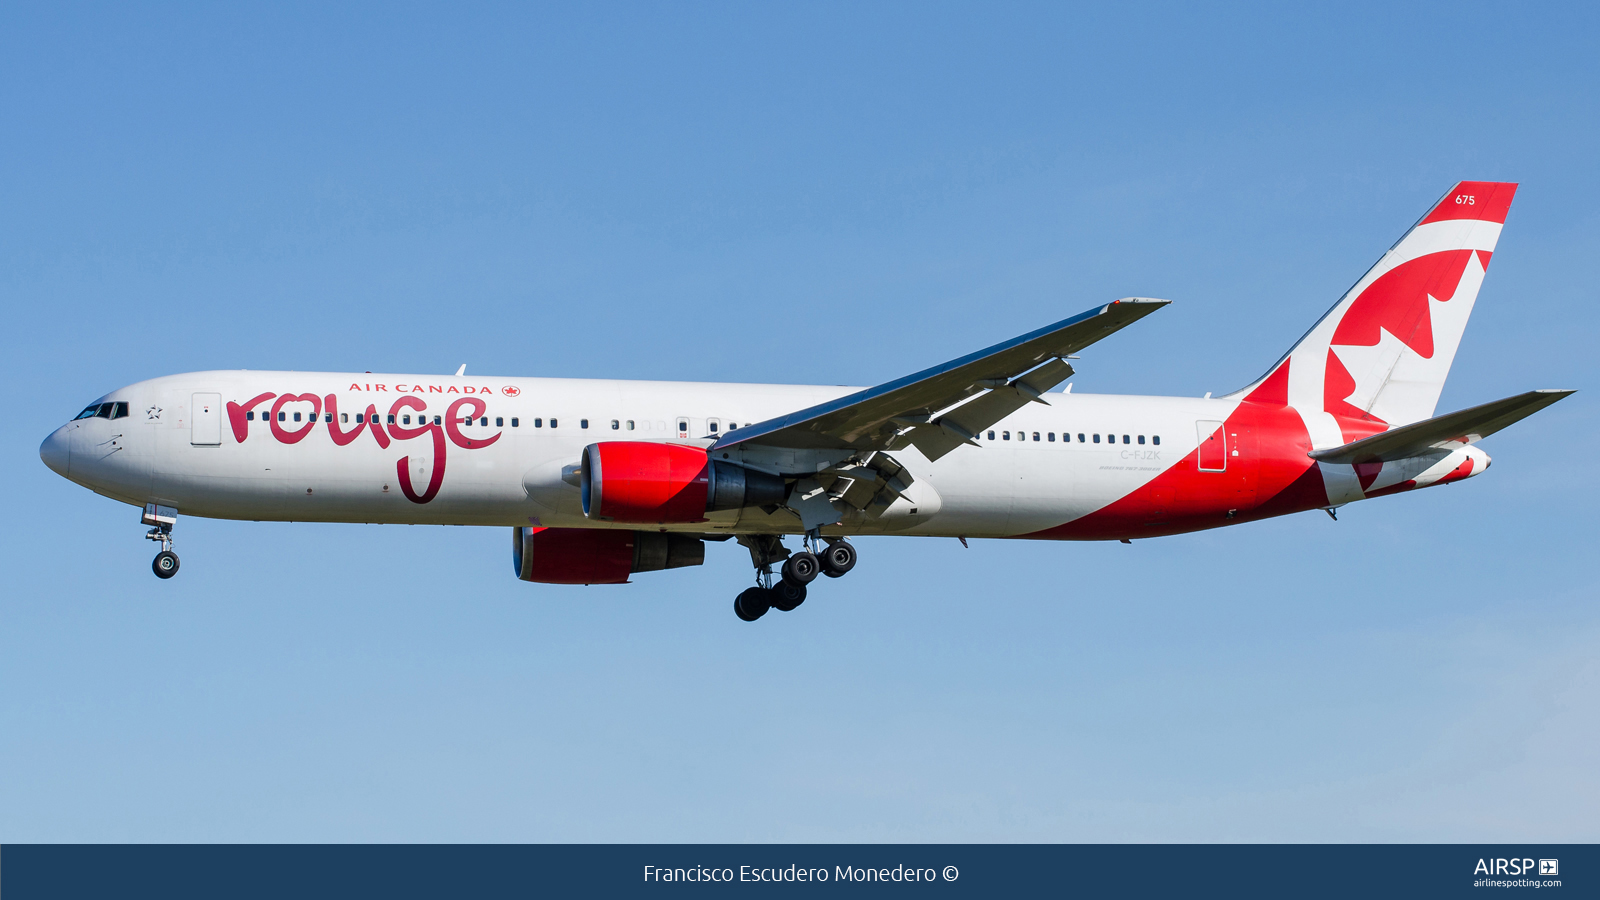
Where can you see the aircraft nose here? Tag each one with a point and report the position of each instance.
(56, 451)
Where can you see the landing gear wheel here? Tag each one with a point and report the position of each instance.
(801, 569)
(839, 558)
(752, 604)
(785, 596)
(165, 564)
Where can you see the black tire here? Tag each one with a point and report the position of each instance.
(839, 558)
(751, 604)
(165, 564)
(785, 596)
(801, 569)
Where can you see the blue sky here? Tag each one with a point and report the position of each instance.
(834, 194)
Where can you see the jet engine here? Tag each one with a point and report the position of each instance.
(639, 481)
(598, 555)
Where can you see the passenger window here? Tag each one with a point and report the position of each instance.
(483, 421)
(683, 426)
(359, 419)
(552, 423)
(1005, 435)
(1141, 438)
(712, 425)
(537, 423)
(1156, 439)
(616, 425)
(991, 435)
(630, 424)
(1125, 439)
(327, 417)
(513, 421)
(405, 419)
(391, 418)
(437, 420)
(583, 423)
(1051, 435)
(248, 417)
(732, 425)
(1036, 435)
(1097, 439)
(1080, 437)
(499, 422)
(344, 418)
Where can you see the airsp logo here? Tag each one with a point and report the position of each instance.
(1514, 867)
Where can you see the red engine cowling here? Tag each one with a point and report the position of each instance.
(598, 556)
(638, 481)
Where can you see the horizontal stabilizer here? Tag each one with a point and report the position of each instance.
(1441, 432)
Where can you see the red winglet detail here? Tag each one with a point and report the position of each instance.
(1487, 201)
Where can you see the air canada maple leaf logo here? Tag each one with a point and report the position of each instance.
(511, 390)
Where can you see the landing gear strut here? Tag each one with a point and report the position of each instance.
(786, 589)
(161, 519)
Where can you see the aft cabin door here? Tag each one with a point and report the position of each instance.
(1229, 461)
(1213, 446)
(206, 420)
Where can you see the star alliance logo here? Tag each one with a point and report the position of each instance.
(153, 414)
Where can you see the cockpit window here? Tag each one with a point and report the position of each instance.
(109, 410)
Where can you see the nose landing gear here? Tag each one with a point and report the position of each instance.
(787, 590)
(161, 519)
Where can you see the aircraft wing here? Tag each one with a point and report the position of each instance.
(907, 410)
(1441, 432)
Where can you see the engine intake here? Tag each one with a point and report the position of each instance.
(639, 481)
(598, 555)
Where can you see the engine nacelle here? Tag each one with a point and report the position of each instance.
(597, 555)
(639, 481)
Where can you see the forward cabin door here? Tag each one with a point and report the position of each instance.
(206, 420)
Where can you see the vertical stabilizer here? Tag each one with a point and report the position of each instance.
(1380, 356)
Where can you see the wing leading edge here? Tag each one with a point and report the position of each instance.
(872, 419)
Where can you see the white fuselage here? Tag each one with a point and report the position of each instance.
(181, 445)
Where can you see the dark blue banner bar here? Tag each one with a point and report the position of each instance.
(952, 870)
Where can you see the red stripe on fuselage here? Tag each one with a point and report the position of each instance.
(1271, 476)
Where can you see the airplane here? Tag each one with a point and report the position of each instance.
(599, 480)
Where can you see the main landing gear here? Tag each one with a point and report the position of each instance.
(788, 589)
(161, 519)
